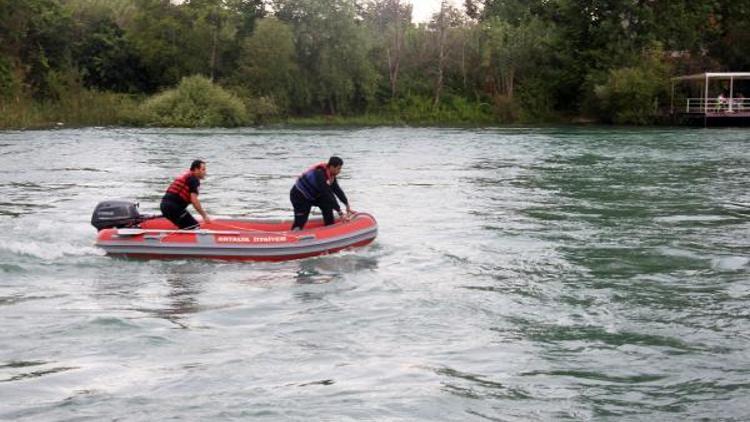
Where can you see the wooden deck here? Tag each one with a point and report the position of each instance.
(715, 119)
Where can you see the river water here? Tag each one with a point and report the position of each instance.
(519, 274)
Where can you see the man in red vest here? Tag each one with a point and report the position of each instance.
(317, 187)
(183, 192)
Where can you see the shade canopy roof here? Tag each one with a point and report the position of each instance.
(714, 75)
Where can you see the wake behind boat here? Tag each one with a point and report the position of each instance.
(124, 231)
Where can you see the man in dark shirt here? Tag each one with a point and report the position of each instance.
(182, 192)
(317, 187)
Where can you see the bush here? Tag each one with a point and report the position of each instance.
(505, 109)
(631, 94)
(535, 101)
(196, 102)
(262, 109)
(416, 109)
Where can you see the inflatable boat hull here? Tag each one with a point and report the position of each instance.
(243, 240)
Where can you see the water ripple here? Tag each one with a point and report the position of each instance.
(575, 273)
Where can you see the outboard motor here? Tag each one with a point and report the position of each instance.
(111, 214)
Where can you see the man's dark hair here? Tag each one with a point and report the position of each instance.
(196, 164)
(335, 161)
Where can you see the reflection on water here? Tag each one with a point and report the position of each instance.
(184, 291)
(331, 268)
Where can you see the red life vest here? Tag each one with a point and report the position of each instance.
(323, 165)
(180, 187)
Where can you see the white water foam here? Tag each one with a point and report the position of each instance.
(44, 239)
(48, 251)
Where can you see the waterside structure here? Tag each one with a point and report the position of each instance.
(711, 99)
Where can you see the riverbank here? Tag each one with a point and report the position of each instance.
(197, 102)
(123, 110)
(87, 108)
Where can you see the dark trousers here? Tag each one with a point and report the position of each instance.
(302, 207)
(178, 214)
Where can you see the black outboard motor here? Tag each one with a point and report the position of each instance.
(111, 214)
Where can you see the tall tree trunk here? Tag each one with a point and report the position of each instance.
(394, 77)
(213, 52)
(395, 64)
(332, 105)
(463, 59)
(394, 47)
(508, 81)
(441, 53)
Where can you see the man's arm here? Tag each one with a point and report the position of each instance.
(340, 193)
(197, 204)
(193, 184)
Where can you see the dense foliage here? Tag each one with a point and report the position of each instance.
(196, 102)
(494, 61)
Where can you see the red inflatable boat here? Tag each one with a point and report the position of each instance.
(248, 240)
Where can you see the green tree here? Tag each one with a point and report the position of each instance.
(213, 29)
(511, 49)
(631, 94)
(731, 22)
(388, 21)
(248, 12)
(332, 52)
(511, 11)
(159, 33)
(37, 35)
(590, 38)
(176, 40)
(418, 63)
(267, 64)
(106, 58)
(448, 17)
